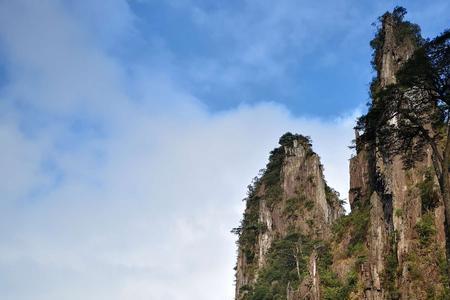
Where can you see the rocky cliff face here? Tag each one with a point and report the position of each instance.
(287, 220)
(294, 241)
(402, 261)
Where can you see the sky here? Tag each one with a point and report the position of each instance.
(130, 130)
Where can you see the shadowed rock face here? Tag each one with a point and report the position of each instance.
(392, 244)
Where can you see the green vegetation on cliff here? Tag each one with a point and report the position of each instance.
(250, 226)
(404, 32)
(409, 117)
(287, 268)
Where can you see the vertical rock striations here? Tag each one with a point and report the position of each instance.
(294, 241)
(286, 226)
(405, 241)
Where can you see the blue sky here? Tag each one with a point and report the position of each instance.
(294, 53)
(130, 130)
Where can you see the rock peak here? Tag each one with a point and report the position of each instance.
(290, 206)
(394, 43)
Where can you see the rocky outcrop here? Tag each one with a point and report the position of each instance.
(294, 241)
(290, 199)
(395, 195)
(395, 49)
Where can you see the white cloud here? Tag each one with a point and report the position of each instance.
(140, 204)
